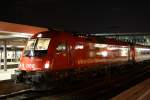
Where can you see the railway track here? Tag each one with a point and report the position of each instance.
(87, 89)
(15, 94)
(100, 90)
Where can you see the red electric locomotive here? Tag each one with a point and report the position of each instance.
(55, 55)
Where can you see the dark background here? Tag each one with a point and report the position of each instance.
(79, 15)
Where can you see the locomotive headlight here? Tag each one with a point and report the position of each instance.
(46, 66)
(104, 53)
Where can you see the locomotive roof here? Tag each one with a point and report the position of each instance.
(88, 37)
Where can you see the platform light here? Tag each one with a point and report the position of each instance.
(100, 45)
(39, 35)
(14, 34)
(102, 53)
(20, 46)
(15, 46)
(23, 35)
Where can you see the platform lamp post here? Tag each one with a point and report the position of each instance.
(5, 55)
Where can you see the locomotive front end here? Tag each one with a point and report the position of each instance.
(35, 63)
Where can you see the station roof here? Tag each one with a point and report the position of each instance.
(12, 30)
(16, 35)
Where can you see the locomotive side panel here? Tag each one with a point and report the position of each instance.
(62, 59)
(98, 55)
(142, 53)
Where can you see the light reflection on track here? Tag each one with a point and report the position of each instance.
(15, 93)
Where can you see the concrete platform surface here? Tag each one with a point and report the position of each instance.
(6, 75)
(140, 91)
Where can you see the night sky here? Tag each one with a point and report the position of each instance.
(79, 15)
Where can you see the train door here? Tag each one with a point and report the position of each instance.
(61, 59)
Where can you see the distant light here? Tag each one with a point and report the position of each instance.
(100, 45)
(143, 49)
(20, 46)
(104, 53)
(112, 48)
(79, 47)
(39, 35)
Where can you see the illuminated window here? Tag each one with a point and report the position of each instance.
(102, 53)
(61, 47)
(79, 46)
(100, 45)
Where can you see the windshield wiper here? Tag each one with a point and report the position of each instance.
(29, 53)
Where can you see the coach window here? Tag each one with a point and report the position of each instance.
(61, 47)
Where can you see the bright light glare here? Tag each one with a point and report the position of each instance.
(143, 49)
(112, 48)
(104, 53)
(15, 46)
(39, 35)
(100, 45)
(46, 65)
(124, 52)
(79, 47)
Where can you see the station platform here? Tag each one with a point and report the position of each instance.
(6, 75)
(11, 63)
(140, 91)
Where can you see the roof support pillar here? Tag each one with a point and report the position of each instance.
(5, 55)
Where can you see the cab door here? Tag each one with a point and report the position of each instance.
(61, 58)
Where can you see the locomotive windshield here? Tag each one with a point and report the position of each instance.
(37, 47)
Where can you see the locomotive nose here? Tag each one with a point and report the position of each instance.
(34, 64)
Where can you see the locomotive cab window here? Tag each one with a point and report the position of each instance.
(30, 45)
(42, 44)
(37, 47)
(61, 47)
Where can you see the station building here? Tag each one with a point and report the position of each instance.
(13, 38)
